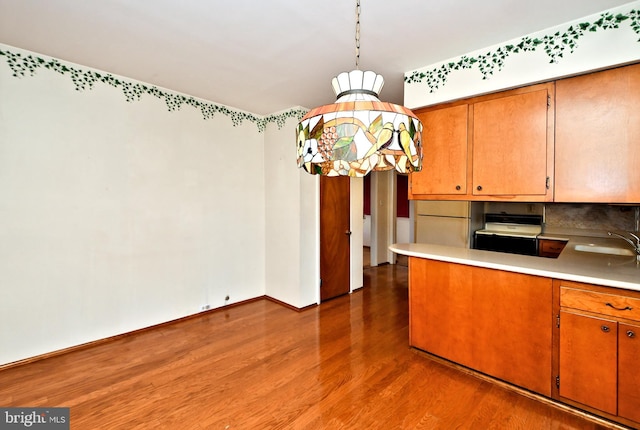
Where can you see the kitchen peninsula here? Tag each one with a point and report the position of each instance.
(566, 328)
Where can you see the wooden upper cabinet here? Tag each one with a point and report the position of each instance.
(444, 162)
(598, 137)
(512, 140)
(492, 147)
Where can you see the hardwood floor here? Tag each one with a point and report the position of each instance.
(401, 260)
(345, 364)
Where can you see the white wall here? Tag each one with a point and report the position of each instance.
(403, 230)
(116, 216)
(595, 50)
(292, 222)
(383, 209)
(356, 208)
(366, 226)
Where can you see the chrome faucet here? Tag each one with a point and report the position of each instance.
(635, 246)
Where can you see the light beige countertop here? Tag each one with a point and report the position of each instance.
(593, 268)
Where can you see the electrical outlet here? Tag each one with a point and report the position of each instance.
(205, 307)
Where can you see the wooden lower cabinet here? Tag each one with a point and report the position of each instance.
(550, 248)
(440, 306)
(495, 322)
(599, 350)
(576, 343)
(628, 373)
(588, 361)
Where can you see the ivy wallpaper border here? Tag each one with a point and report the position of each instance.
(555, 46)
(84, 79)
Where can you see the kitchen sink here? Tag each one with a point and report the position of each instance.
(603, 249)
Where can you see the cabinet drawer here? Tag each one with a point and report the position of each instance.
(601, 303)
(550, 248)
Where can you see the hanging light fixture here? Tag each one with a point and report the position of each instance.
(359, 133)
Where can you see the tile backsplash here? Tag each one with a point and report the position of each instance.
(590, 216)
(574, 218)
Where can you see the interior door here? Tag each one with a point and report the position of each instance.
(334, 237)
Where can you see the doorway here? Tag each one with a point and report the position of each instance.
(366, 221)
(385, 216)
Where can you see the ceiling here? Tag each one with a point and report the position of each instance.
(265, 56)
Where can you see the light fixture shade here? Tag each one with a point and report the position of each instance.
(359, 133)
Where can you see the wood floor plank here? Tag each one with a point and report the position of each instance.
(344, 364)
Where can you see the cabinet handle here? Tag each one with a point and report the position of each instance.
(626, 308)
(479, 187)
(630, 334)
(458, 187)
(605, 328)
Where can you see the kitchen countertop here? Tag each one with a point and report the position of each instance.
(593, 268)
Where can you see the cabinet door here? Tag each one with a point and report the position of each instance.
(440, 309)
(489, 320)
(444, 161)
(512, 326)
(597, 129)
(628, 374)
(588, 360)
(510, 145)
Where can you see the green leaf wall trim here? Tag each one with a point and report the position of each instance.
(555, 46)
(23, 65)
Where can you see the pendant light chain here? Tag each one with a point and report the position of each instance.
(358, 133)
(358, 34)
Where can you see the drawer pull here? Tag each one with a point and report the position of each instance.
(605, 328)
(626, 308)
(630, 334)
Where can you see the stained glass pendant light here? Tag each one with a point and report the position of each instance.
(359, 133)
